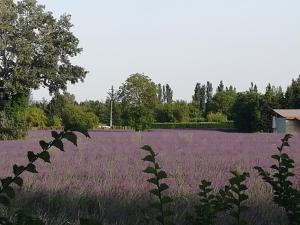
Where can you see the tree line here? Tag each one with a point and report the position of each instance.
(139, 102)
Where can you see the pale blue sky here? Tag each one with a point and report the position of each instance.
(182, 42)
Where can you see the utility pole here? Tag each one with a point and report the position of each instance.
(111, 105)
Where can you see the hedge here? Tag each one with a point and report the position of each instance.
(204, 125)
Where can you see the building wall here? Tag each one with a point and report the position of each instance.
(292, 126)
(280, 125)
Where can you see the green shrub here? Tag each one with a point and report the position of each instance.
(216, 117)
(138, 117)
(204, 125)
(13, 123)
(11, 128)
(55, 122)
(36, 117)
(74, 117)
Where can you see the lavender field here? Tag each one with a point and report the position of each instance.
(103, 177)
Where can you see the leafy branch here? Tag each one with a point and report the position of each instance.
(207, 208)
(7, 192)
(233, 197)
(285, 195)
(160, 187)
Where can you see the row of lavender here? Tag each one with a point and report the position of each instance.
(104, 178)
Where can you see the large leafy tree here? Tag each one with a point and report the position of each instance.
(169, 94)
(209, 96)
(58, 104)
(35, 48)
(199, 97)
(292, 95)
(272, 99)
(138, 96)
(223, 101)
(246, 111)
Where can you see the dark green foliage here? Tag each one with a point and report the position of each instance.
(199, 98)
(74, 117)
(36, 117)
(209, 96)
(180, 111)
(8, 184)
(58, 104)
(13, 123)
(246, 111)
(36, 48)
(160, 93)
(138, 117)
(223, 102)
(216, 117)
(22, 218)
(194, 114)
(221, 87)
(168, 94)
(205, 125)
(90, 222)
(293, 95)
(158, 175)
(177, 111)
(272, 99)
(207, 208)
(164, 113)
(55, 122)
(285, 195)
(138, 97)
(233, 197)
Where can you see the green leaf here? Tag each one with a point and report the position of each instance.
(90, 222)
(161, 175)
(6, 181)
(275, 167)
(147, 148)
(45, 156)
(44, 145)
(31, 168)
(70, 136)
(58, 144)
(277, 157)
(163, 187)
(18, 169)
(18, 181)
(4, 200)
(55, 134)
(155, 192)
(150, 170)
(205, 183)
(83, 131)
(149, 158)
(153, 181)
(31, 156)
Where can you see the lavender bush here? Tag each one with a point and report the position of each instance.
(103, 178)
